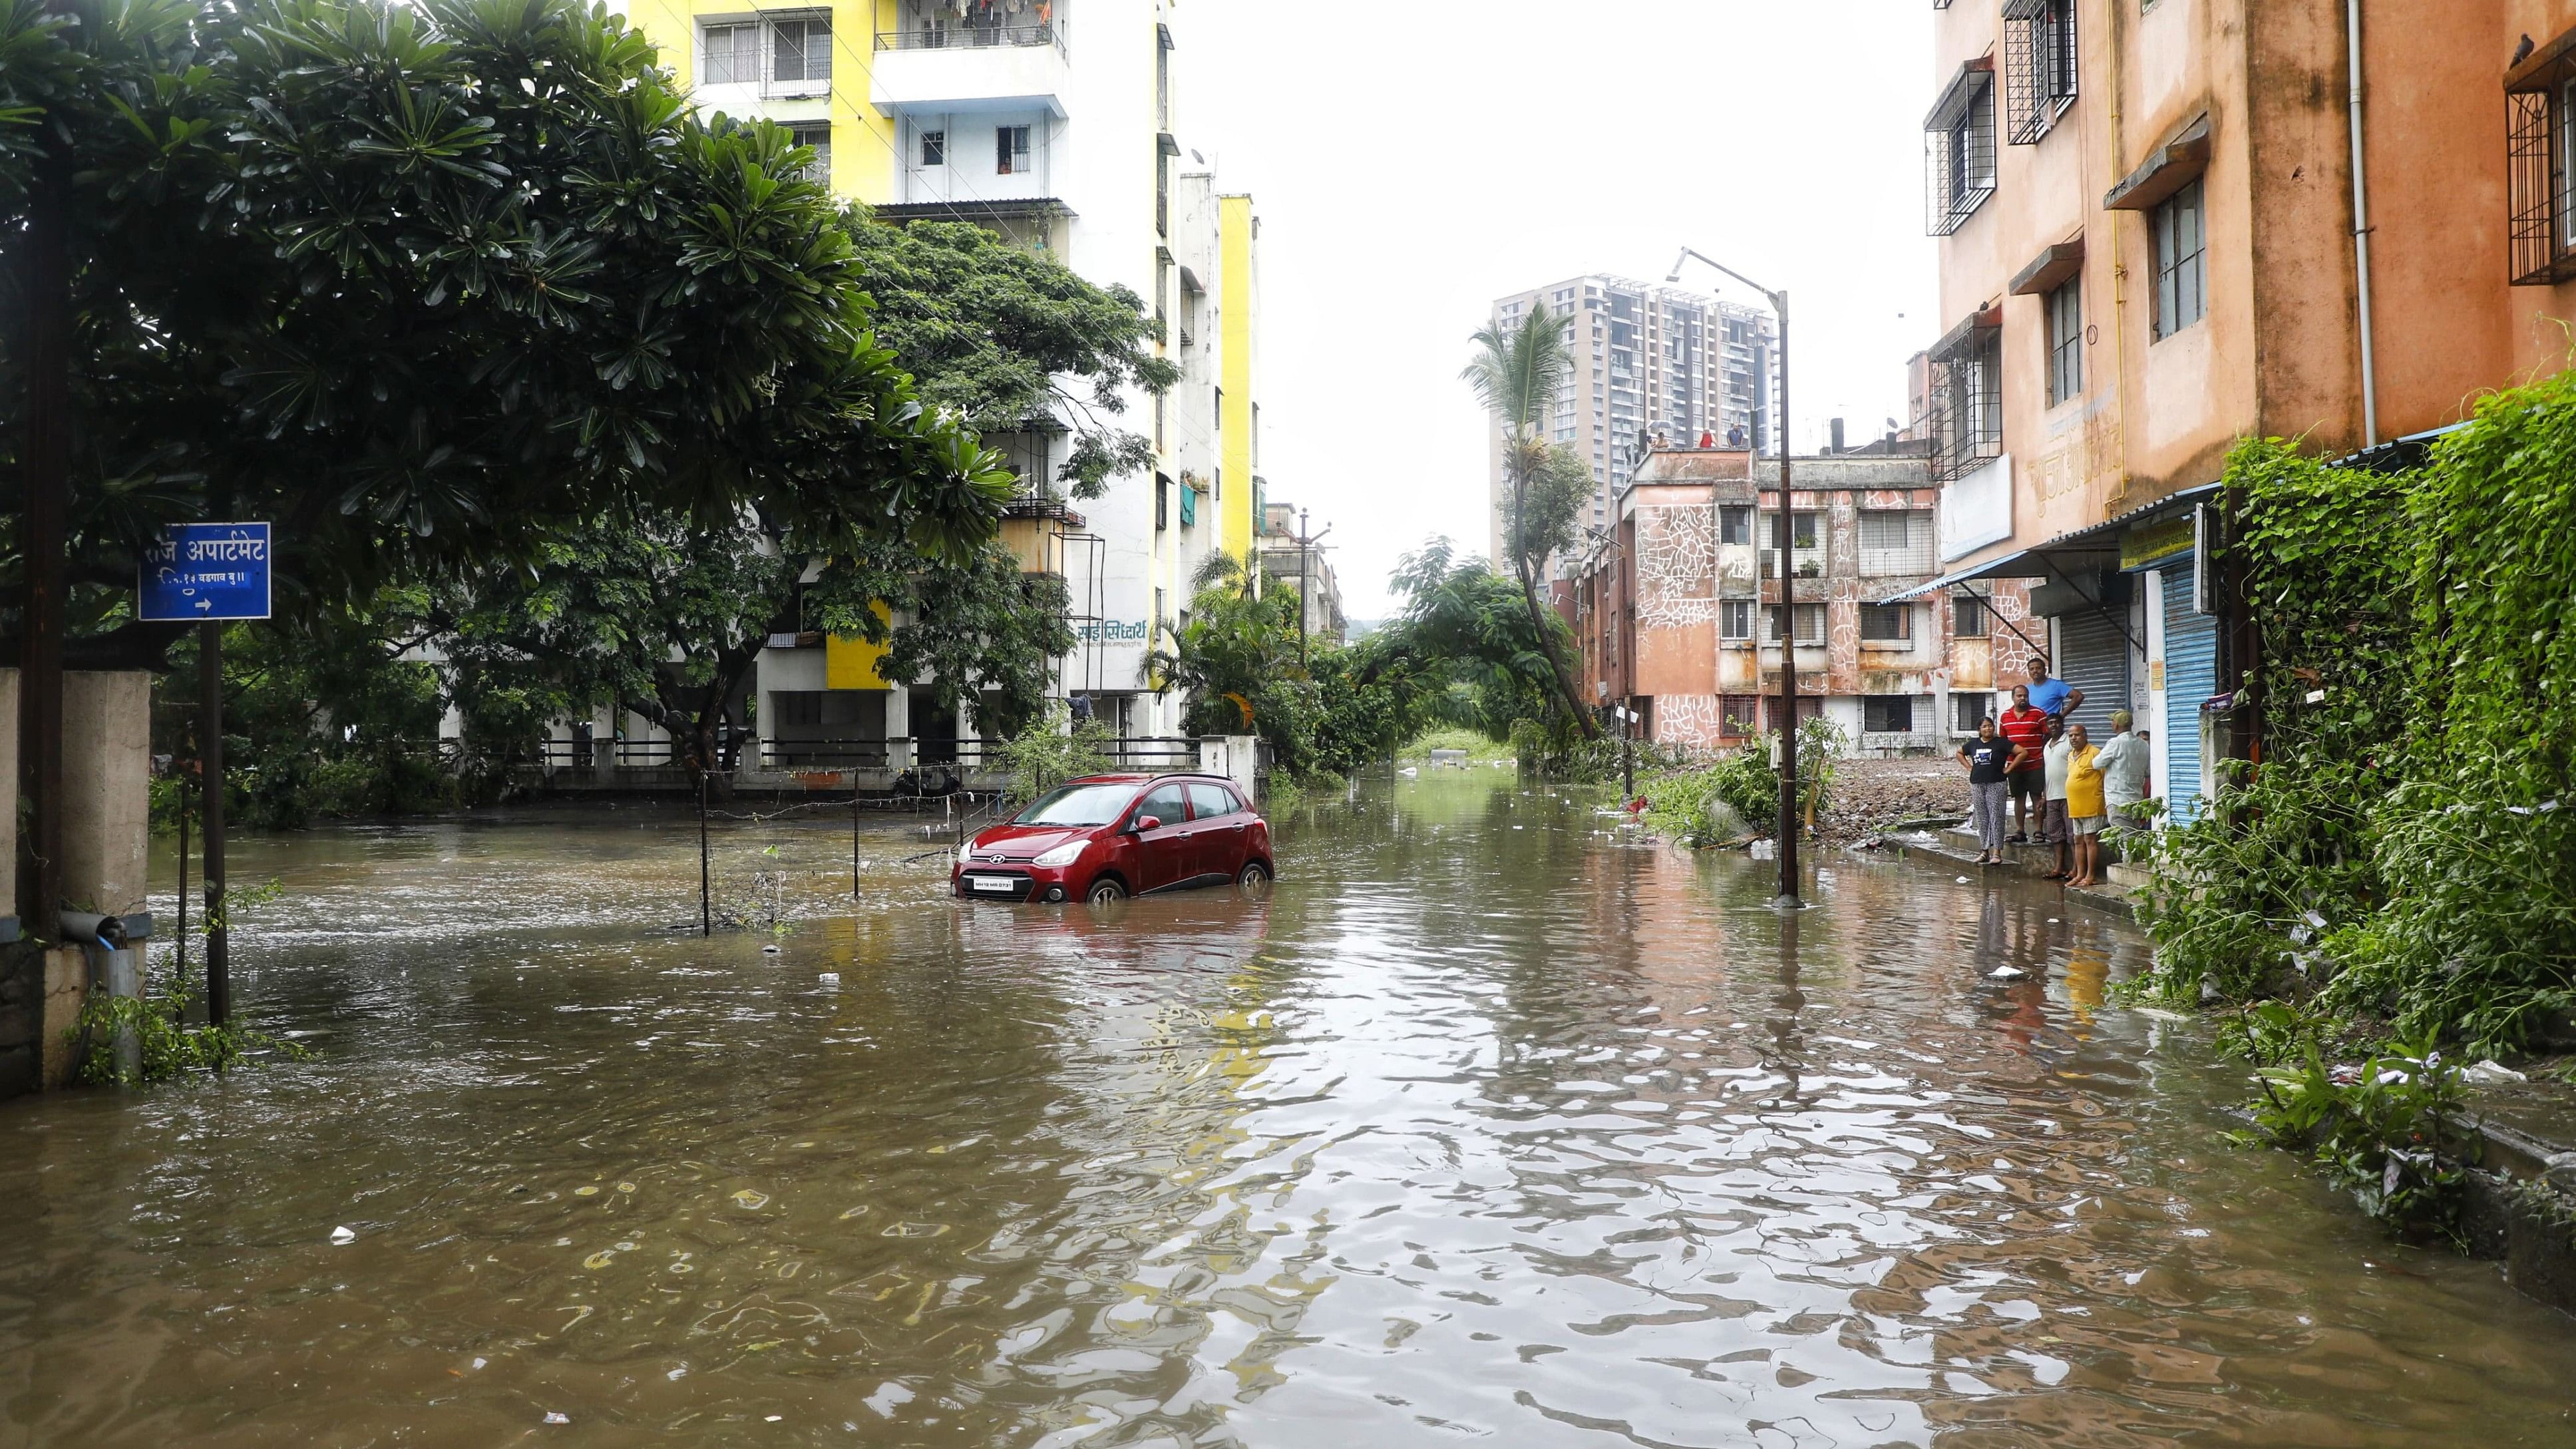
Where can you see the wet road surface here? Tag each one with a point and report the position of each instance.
(1483, 1128)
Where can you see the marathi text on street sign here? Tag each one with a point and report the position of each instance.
(199, 571)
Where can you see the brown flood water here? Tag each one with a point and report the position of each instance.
(1484, 1128)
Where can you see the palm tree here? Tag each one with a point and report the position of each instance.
(1516, 373)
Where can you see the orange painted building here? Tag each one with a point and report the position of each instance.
(2151, 247)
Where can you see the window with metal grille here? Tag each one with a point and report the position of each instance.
(1959, 150)
(934, 148)
(1887, 714)
(795, 52)
(1886, 623)
(1735, 619)
(1735, 524)
(2540, 165)
(2182, 275)
(1737, 713)
(732, 54)
(2039, 66)
(1010, 150)
(1967, 711)
(819, 137)
(1967, 405)
(1810, 623)
(1809, 707)
(2065, 308)
(800, 50)
(1968, 619)
(1895, 541)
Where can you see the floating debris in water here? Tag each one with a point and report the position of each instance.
(829, 978)
(2007, 973)
(554, 1418)
(751, 1199)
(344, 1235)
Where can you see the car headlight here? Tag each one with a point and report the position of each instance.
(1060, 857)
(966, 854)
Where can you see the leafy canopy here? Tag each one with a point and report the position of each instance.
(422, 281)
(1011, 340)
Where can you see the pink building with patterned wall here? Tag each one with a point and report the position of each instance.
(1676, 603)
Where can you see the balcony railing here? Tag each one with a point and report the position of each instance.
(920, 36)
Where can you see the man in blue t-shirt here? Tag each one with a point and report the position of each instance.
(2052, 696)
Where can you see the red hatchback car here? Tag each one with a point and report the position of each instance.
(1106, 837)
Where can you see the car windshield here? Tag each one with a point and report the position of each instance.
(1077, 805)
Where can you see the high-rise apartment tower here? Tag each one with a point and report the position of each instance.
(1646, 357)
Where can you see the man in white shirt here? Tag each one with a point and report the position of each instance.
(2124, 766)
(2054, 827)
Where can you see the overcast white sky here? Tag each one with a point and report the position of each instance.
(1412, 162)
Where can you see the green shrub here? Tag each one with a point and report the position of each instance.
(168, 1044)
(2374, 1125)
(1048, 753)
(2407, 852)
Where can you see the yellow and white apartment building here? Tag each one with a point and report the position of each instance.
(1054, 123)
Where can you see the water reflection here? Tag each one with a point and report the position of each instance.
(1484, 1124)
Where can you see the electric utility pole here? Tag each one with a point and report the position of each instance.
(1787, 833)
(1305, 554)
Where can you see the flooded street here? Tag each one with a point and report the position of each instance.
(1483, 1128)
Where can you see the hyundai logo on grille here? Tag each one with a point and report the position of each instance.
(992, 855)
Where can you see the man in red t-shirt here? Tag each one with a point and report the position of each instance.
(2027, 728)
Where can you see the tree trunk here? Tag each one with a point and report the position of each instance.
(1528, 572)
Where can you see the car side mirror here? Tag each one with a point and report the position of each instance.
(1143, 824)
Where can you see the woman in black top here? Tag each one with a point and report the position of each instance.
(1989, 758)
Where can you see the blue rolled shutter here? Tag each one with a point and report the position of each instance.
(2191, 677)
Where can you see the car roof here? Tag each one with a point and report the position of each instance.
(1138, 777)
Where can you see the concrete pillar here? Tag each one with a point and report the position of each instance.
(1243, 761)
(107, 769)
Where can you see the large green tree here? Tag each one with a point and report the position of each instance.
(992, 334)
(1516, 372)
(422, 282)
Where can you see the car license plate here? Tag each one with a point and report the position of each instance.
(1000, 883)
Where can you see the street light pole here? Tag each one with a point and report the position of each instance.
(1787, 833)
(1305, 551)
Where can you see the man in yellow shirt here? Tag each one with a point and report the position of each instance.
(2085, 812)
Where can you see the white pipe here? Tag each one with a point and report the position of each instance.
(2361, 230)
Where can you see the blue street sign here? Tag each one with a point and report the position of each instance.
(206, 571)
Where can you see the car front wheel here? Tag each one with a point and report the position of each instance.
(1106, 891)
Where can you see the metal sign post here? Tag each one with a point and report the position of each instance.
(209, 574)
